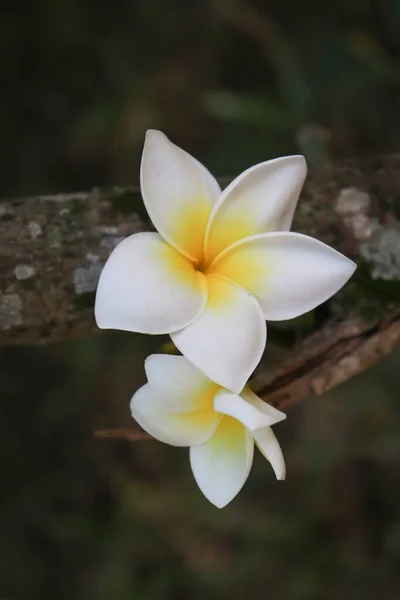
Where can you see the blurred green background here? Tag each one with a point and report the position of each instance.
(233, 83)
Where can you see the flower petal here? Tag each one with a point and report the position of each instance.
(269, 447)
(222, 464)
(226, 342)
(178, 192)
(180, 386)
(148, 287)
(274, 415)
(288, 273)
(176, 429)
(261, 199)
(247, 413)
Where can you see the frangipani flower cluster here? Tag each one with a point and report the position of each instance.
(180, 406)
(219, 265)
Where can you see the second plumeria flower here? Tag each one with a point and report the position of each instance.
(221, 263)
(180, 406)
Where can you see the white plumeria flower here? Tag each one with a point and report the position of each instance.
(182, 407)
(220, 264)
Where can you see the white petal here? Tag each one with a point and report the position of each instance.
(261, 199)
(148, 287)
(178, 192)
(247, 413)
(288, 273)
(269, 447)
(176, 429)
(274, 415)
(222, 465)
(180, 386)
(226, 342)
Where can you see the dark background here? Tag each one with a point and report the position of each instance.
(233, 83)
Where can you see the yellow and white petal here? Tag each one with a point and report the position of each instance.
(178, 192)
(222, 464)
(288, 273)
(269, 447)
(180, 386)
(176, 429)
(261, 199)
(226, 342)
(148, 287)
(246, 412)
(274, 415)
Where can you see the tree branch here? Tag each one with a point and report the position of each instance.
(53, 248)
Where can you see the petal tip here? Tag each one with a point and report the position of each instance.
(352, 266)
(154, 133)
(152, 138)
(297, 158)
(217, 504)
(281, 417)
(281, 473)
(279, 467)
(349, 268)
(216, 501)
(300, 164)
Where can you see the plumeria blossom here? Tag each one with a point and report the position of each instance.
(182, 407)
(221, 263)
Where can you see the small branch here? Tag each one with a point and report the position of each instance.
(338, 363)
(128, 435)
